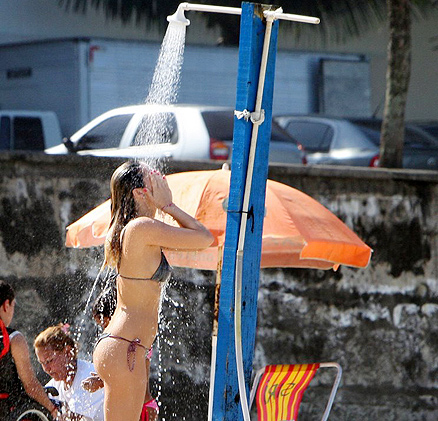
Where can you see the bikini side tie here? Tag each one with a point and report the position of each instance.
(131, 351)
(131, 348)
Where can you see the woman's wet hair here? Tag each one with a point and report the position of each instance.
(56, 338)
(7, 293)
(106, 301)
(129, 176)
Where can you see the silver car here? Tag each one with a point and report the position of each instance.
(356, 142)
(180, 132)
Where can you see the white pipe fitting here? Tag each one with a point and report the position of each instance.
(212, 8)
(178, 16)
(295, 18)
(272, 15)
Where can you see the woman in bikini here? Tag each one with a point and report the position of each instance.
(133, 247)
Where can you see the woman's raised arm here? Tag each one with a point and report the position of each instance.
(190, 235)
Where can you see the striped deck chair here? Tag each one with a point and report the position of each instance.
(278, 390)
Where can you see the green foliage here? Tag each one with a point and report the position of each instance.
(142, 11)
(340, 19)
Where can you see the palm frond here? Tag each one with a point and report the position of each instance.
(340, 19)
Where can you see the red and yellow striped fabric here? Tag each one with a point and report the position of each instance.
(281, 389)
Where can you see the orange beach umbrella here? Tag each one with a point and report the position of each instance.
(297, 232)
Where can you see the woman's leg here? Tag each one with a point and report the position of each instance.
(124, 389)
(123, 401)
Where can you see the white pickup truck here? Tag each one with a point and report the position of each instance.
(28, 130)
(179, 132)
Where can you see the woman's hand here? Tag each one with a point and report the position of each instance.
(160, 193)
(92, 383)
(190, 235)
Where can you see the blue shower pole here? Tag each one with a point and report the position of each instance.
(226, 396)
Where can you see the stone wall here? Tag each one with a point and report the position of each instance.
(379, 323)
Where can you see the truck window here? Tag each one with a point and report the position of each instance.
(156, 128)
(5, 133)
(28, 134)
(107, 134)
(220, 125)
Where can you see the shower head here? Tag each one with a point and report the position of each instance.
(178, 16)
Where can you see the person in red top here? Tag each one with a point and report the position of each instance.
(19, 386)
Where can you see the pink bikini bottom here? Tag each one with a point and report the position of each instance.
(131, 348)
(151, 404)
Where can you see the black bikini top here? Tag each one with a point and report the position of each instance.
(162, 274)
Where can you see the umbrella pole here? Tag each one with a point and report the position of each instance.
(217, 290)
